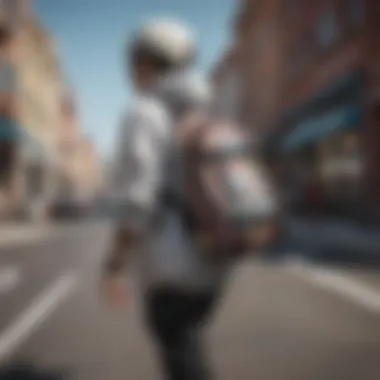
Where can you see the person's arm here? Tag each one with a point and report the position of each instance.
(142, 146)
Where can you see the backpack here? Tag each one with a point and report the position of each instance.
(230, 203)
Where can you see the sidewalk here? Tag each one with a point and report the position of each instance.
(18, 234)
(326, 235)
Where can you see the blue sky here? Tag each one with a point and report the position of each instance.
(91, 35)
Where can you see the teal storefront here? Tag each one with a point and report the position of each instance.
(321, 145)
(9, 141)
(23, 157)
(9, 129)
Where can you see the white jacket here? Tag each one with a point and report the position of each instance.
(168, 255)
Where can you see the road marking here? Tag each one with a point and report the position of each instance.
(36, 314)
(10, 277)
(340, 284)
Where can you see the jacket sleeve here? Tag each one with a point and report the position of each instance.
(142, 145)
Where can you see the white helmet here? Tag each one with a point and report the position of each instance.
(166, 39)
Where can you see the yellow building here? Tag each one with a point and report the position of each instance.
(53, 158)
(79, 176)
(37, 97)
(39, 84)
(87, 170)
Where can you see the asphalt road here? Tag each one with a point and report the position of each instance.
(277, 322)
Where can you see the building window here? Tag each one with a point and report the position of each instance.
(342, 164)
(326, 28)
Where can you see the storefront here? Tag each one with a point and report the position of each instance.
(9, 129)
(39, 178)
(342, 168)
(8, 149)
(9, 143)
(325, 143)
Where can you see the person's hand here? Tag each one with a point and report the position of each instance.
(114, 288)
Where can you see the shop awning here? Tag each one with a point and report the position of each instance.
(32, 149)
(318, 127)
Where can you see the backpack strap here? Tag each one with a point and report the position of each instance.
(180, 205)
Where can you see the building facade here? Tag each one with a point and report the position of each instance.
(30, 116)
(10, 17)
(329, 118)
(80, 172)
(67, 146)
(248, 75)
(39, 97)
(310, 89)
(259, 39)
(226, 78)
(89, 170)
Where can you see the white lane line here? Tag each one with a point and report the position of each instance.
(35, 314)
(340, 284)
(10, 277)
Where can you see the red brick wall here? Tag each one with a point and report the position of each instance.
(261, 61)
(344, 59)
(308, 66)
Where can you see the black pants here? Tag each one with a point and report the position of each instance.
(175, 319)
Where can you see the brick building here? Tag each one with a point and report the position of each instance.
(248, 75)
(226, 78)
(311, 89)
(329, 114)
(259, 36)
